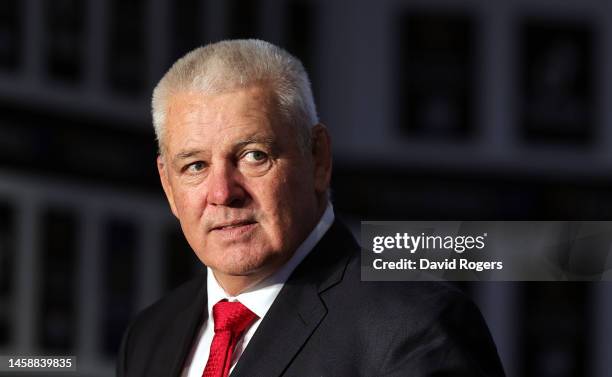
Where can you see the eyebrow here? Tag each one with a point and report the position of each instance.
(186, 154)
(268, 141)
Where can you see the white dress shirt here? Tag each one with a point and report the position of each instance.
(258, 299)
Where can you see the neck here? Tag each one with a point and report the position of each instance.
(236, 284)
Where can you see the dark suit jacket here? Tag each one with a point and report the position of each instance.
(326, 322)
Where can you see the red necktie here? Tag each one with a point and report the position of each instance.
(231, 320)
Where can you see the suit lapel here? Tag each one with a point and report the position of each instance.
(281, 334)
(298, 310)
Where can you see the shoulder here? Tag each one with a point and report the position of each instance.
(397, 321)
(385, 298)
(413, 299)
(151, 323)
(154, 330)
(180, 298)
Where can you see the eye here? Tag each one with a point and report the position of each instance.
(255, 156)
(255, 163)
(195, 167)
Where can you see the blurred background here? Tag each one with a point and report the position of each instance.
(438, 109)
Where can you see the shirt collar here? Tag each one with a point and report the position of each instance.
(260, 297)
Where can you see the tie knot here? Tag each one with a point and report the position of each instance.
(232, 316)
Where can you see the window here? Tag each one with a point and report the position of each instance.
(557, 94)
(10, 34)
(555, 326)
(58, 259)
(181, 260)
(243, 19)
(7, 266)
(127, 63)
(64, 39)
(187, 27)
(435, 78)
(119, 254)
(299, 37)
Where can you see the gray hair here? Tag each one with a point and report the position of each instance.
(233, 64)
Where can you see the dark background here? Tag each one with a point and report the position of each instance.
(440, 110)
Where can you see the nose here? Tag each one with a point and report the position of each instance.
(224, 187)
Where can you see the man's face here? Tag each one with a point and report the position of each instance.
(245, 194)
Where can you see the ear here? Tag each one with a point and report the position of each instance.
(322, 157)
(162, 169)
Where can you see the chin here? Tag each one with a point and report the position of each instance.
(240, 262)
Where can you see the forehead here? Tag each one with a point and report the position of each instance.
(194, 118)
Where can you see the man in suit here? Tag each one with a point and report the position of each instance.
(246, 167)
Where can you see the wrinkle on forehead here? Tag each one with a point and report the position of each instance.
(194, 118)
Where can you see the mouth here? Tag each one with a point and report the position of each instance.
(233, 225)
(234, 231)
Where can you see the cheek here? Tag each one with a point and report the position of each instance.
(189, 203)
(285, 200)
(190, 217)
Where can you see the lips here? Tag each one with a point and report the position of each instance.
(232, 225)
